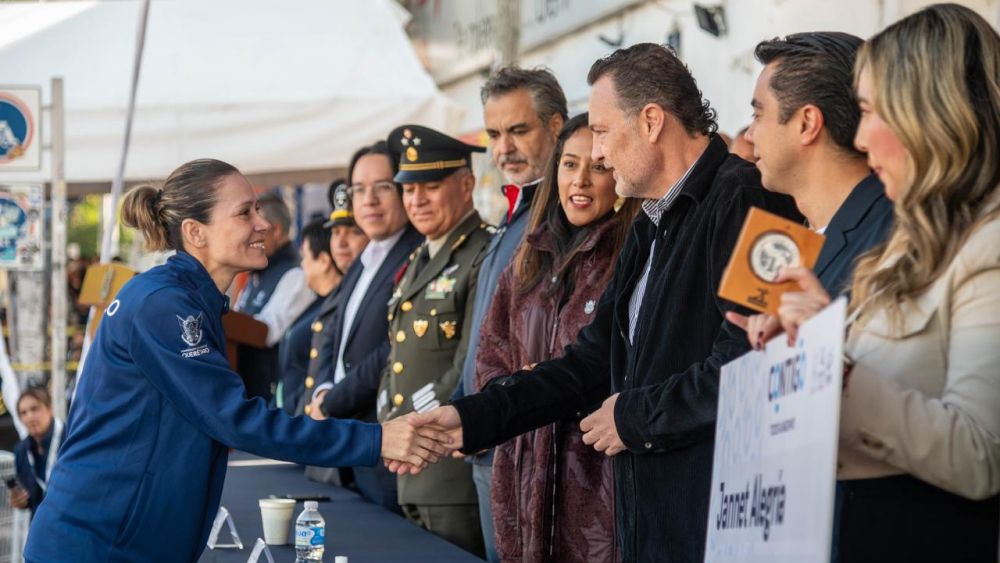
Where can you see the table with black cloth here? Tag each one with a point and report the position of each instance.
(363, 531)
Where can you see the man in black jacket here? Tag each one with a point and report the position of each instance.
(656, 331)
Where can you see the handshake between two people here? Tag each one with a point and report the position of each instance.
(411, 442)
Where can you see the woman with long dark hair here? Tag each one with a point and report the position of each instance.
(552, 495)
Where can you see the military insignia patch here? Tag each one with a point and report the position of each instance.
(420, 327)
(448, 328)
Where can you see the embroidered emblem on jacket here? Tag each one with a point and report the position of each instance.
(190, 329)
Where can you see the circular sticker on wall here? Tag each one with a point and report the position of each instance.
(17, 129)
(771, 252)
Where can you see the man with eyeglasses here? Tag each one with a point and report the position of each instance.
(349, 360)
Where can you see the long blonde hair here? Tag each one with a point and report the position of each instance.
(935, 77)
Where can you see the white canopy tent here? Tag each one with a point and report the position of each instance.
(273, 88)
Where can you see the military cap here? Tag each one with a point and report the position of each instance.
(341, 202)
(426, 155)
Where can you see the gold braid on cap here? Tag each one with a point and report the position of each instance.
(438, 165)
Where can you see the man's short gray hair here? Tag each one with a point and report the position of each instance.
(545, 90)
(273, 208)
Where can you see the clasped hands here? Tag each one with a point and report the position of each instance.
(411, 442)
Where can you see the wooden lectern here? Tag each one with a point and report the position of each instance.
(101, 285)
(242, 329)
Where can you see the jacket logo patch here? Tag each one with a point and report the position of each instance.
(190, 329)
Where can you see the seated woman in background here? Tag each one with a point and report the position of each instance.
(919, 458)
(35, 456)
(552, 494)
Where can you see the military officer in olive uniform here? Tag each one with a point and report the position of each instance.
(428, 315)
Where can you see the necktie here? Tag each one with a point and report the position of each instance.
(511, 192)
(422, 260)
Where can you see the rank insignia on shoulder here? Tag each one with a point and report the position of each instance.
(448, 328)
(459, 242)
(420, 327)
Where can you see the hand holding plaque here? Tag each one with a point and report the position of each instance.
(767, 244)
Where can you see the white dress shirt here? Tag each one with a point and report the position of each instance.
(290, 299)
(372, 258)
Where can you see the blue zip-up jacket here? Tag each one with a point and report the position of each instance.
(141, 469)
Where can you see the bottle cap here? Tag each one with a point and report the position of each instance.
(311, 505)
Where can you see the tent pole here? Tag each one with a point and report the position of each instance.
(119, 181)
(111, 223)
(59, 297)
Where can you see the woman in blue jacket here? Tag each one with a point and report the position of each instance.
(157, 408)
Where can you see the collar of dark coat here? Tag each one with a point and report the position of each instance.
(856, 206)
(43, 448)
(191, 270)
(702, 176)
(542, 238)
(696, 187)
(848, 217)
(527, 199)
(455, 241)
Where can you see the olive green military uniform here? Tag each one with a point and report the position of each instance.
(429, 314)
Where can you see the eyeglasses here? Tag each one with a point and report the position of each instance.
(378, 189)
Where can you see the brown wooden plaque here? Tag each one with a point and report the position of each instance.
(767, 243)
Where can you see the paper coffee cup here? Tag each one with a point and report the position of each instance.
(276, 515)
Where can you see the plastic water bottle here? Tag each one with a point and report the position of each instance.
(310, 532)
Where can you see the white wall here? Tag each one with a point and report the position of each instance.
(724, 67)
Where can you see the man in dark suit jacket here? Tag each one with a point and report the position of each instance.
(655, 344)
(356, 328)
(805, 119)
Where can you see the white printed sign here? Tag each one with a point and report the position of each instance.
(776, 448)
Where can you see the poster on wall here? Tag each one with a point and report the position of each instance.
(776, 448)
(20, 138)
(21, 222)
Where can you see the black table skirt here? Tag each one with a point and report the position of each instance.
(363, 531)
